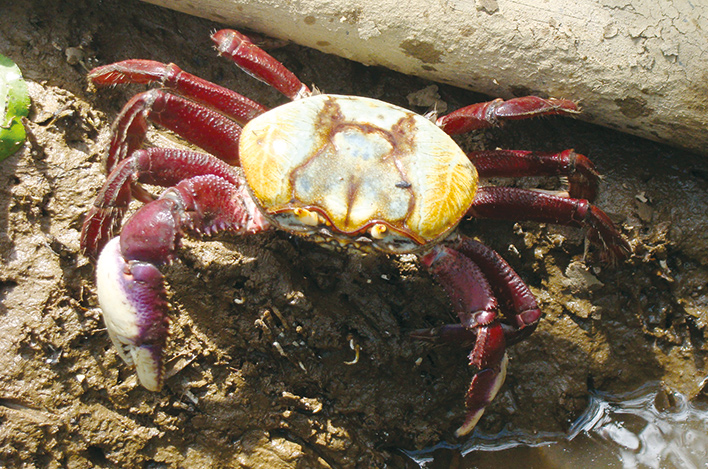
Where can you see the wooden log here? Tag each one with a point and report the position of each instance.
(639, 66)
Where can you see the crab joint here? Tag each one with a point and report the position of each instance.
(378, 231)
(354, 346)
(308, 217)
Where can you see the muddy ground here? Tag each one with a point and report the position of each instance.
(234, 399)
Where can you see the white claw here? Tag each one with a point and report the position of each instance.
(122, 316)
(472, 418)
(118, 314)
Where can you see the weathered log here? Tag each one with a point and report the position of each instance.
(639, 66)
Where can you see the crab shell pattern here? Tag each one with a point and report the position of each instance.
(309, 164)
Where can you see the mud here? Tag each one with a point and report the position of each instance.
(236, 399)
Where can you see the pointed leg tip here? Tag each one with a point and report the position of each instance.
(97, 228)
(470, 422)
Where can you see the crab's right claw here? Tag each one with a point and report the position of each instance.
(133, 299)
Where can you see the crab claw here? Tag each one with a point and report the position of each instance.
(472, 296)
(133, 299)
(490, 357)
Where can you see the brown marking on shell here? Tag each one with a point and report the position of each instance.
(357, 162)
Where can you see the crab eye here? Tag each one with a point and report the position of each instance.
(307, 217)
(378, 231)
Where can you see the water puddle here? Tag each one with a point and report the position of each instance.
(649, 428)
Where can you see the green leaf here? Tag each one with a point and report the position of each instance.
(14, 104)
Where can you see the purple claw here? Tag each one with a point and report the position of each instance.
(133, 299)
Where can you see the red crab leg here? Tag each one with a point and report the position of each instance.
(582, 177)
(204, 127)
(157, 166)
(520, 204)
(201, 204)
(476, 306)
(170, 76)
(520, 307)
(519, 304)
(131, 287)
(482, 115)
(258, 63)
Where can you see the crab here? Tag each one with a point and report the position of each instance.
(343, 171)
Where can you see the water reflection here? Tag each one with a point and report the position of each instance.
(649, 428)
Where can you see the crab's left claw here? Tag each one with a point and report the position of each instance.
(476, 306)
(132, 297)
(465, 274)
(489, 356)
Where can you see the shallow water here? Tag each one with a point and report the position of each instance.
(648, 428)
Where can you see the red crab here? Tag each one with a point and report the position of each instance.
(344, 171)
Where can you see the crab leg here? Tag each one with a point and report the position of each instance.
(157, 166)
(204, 127)
(131, 288)
(580, 171)
(519, 304)
(520, 204)
(491, 113)
(258, 63)
(472, 297)
(171, 77)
